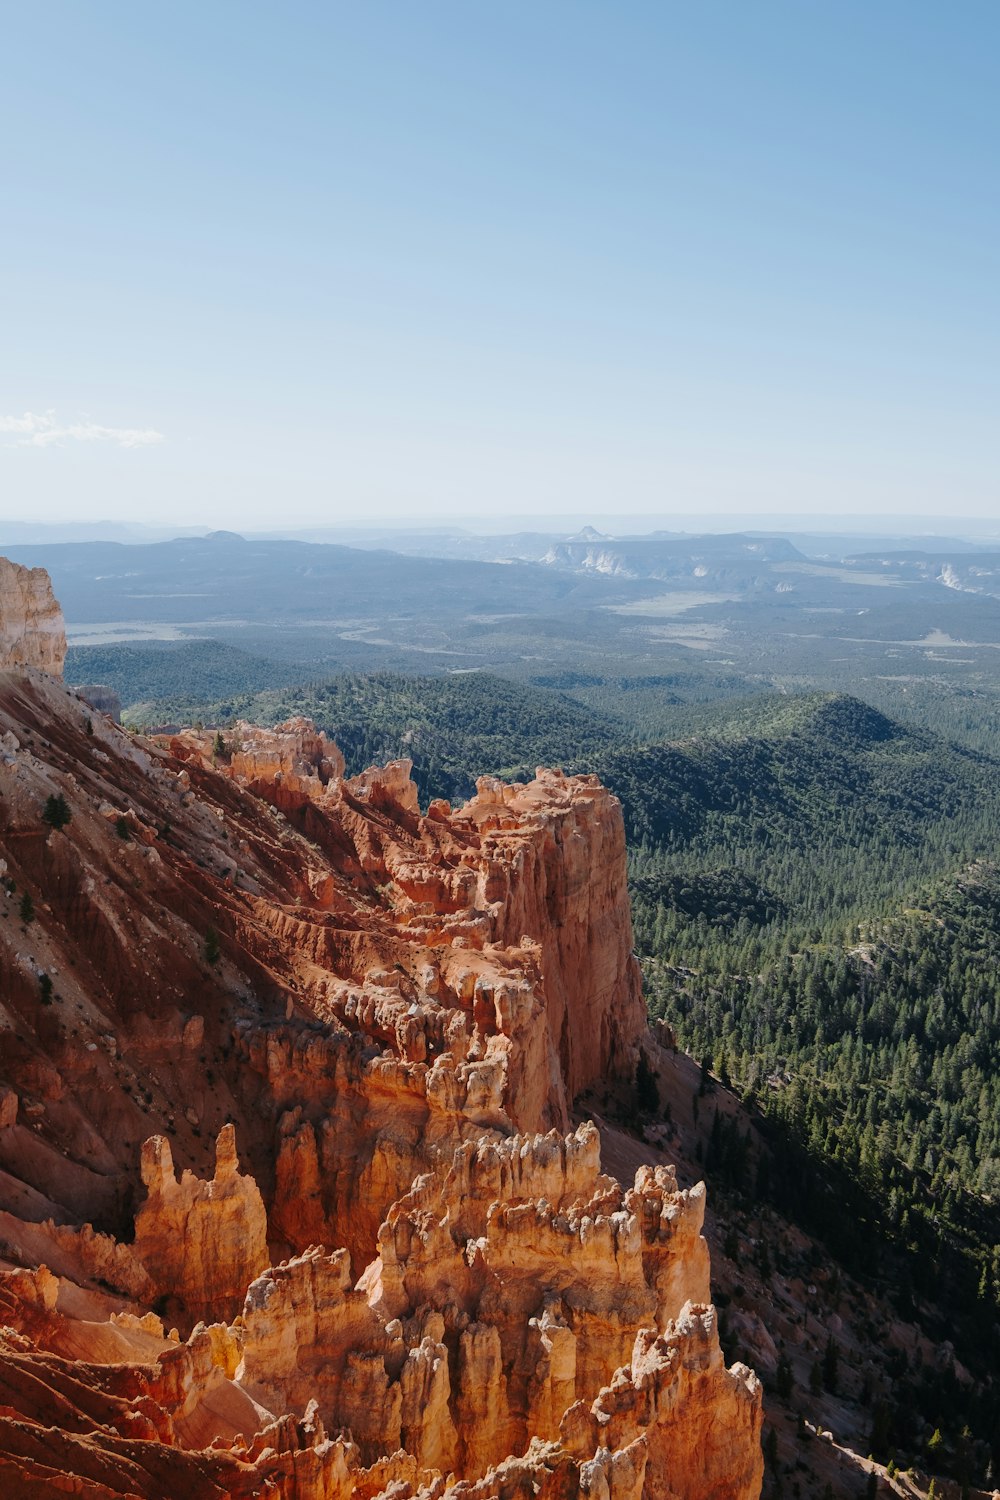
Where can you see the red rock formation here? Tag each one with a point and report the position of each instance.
(695, 1424)
(396, 1011)
(32, 633)
(200, 1243)
(294, 753)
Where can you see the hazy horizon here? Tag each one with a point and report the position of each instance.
(979, 531)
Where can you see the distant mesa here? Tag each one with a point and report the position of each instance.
(207, 536)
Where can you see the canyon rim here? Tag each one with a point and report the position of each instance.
(294, 1199)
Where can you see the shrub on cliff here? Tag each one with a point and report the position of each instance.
(57, 811)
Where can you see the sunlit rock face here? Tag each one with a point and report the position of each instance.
(291, 1197)
(32, 631)
(199, 1242)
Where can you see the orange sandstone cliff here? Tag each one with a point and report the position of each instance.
(293, 1199)
(32, 633)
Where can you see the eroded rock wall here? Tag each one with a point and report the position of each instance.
(233, 948)
(542, 1347)
(200, 1243)
(32, 632)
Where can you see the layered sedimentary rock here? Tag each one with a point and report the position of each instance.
(32, 632)
(390, 1262)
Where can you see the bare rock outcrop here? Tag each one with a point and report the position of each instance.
(697, 1423)
(294, 760)
(200, 1243)
(32, 632)
(514, 1343)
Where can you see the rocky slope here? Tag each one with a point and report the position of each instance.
(291, 1198)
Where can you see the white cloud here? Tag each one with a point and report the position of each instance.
(42, 430)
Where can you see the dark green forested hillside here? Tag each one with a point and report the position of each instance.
(813, 921)
(162, 680)
(821, 805)
(875, 1060)
(883, 1047)
(809, 919)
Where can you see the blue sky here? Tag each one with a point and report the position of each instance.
(327, 263)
